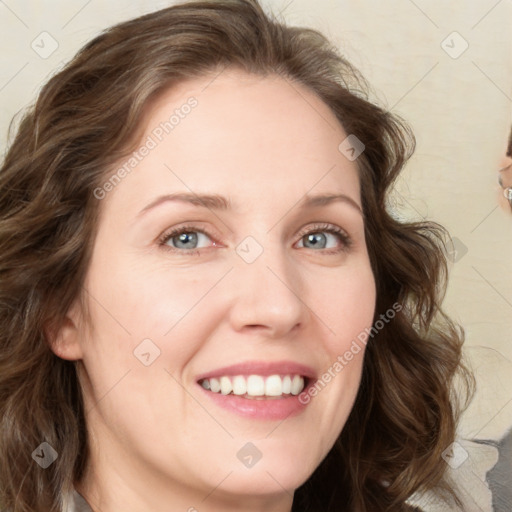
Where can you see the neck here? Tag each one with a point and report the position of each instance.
(116, 491)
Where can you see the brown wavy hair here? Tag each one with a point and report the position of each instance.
(84, 120)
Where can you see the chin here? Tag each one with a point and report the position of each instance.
(283, 465)
(272, 479)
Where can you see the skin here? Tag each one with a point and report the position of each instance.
(505, 174)
(157, 443)
(505, 178)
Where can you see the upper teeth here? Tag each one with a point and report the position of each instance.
(255, 385)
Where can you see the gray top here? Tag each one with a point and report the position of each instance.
(78, 503)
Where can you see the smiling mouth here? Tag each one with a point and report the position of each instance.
(256, 387)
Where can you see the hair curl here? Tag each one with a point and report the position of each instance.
(85, 119)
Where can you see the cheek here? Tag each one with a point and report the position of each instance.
(130, 303)
(349, 306)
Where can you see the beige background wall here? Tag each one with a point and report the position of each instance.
(459, 105)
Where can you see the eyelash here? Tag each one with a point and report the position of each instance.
(316, 228)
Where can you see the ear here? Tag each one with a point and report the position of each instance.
(65, 340)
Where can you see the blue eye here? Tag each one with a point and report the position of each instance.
(317, 237)
(185, 239)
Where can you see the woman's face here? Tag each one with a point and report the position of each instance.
(505, 177)
(238, 290)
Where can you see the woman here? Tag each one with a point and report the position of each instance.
(170, 341)
(505, 177)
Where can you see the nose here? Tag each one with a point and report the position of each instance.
(268, 296)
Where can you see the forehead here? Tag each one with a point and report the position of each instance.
(246, 134)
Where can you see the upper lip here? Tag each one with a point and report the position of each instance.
(263, 368)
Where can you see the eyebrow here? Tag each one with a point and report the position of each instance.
(218, 202)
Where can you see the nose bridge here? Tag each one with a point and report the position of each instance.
(268, 287)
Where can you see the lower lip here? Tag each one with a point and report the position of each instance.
(263, 409)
